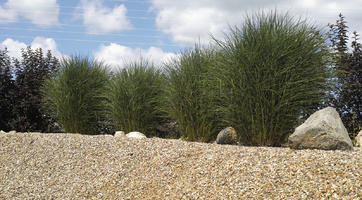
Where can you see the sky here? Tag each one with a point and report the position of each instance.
(119, 31)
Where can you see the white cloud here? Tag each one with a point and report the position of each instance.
(46, 44)
(189, 21)
(116, 55)
(7, 15)
(40, 12)
(14, 47)
(100, 19)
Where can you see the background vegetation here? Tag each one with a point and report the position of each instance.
(20, 83)
(6, 91)
(264, 78)
(347, 63)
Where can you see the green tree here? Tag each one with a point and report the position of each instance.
(347, 96)
(30, 73)
(74, 96)
(6, 91)
(273, 70)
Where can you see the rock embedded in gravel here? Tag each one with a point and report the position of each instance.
(359, 139)
(227, 136)
(119, 134)
(322, 130)
(73, 166)
(136, 134)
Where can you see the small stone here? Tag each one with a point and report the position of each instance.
(227, 136)
(119, 134)
(136, 134)
(12, 132)
(2, 132)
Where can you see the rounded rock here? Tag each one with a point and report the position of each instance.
(227, 136)
(136, 134)
(119, 134)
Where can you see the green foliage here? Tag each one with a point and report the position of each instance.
(74, 96)
(347, 96)
(272, 70)
(6, 91)
(30, 73)
(134, 98)
(189, 98)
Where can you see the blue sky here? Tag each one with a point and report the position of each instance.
(118, 30)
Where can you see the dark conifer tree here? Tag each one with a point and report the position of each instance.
(348, 67)
(6, 90)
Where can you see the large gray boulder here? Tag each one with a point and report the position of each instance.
(322, 130)
(227, 136)
(136, 134)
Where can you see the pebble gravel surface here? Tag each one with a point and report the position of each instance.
(73, 166)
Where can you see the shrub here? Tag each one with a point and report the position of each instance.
(30, 73)
(74, 96)
(134, 98)
(189, 99)
(273, 70)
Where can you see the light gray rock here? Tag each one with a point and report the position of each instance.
(12, 132)
(136, 134)
(119, 134)
(322, 130)
(227, 136)
(358, 139)
(2, 132)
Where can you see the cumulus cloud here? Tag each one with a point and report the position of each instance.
(14, 47)
(46, 44)
(40, 12)
(117, 55)
(99, 19)
(189, 21)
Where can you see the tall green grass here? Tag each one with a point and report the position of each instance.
(189, 100)
(74, 96)
(134, 98)
(272, 69)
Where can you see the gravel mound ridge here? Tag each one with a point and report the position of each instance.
(72, 166)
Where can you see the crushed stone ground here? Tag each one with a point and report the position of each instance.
(73, 166)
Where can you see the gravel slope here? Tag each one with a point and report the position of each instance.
(72, 166)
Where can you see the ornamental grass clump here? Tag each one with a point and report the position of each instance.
(74, 95)
(134, 98)
(189, 99)
(273, 69)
